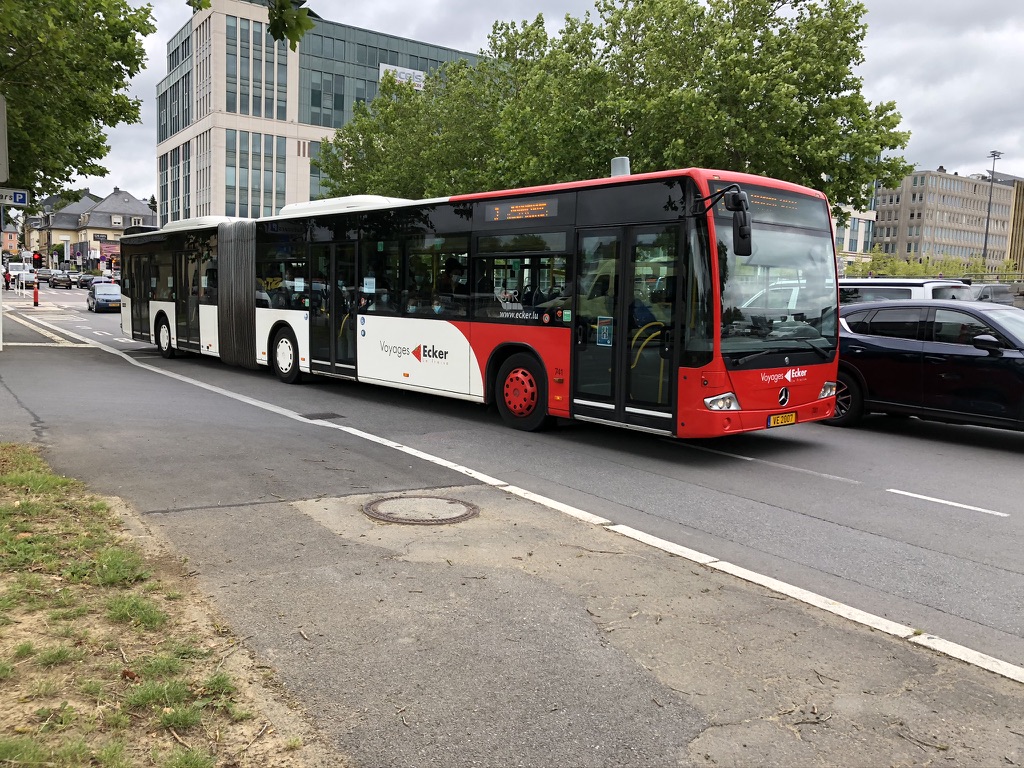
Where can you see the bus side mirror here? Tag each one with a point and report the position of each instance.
(738, 203)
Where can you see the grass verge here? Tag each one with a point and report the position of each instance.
(107, 657)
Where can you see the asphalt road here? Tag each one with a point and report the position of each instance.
(918, 523)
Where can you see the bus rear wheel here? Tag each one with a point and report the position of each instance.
(285, 356)
(521, 393)
(163, 338)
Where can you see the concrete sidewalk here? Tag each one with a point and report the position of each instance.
(526, 637)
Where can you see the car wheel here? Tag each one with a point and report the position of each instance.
(285, 356)
(849, 401)
(163, 338)
(521, 393)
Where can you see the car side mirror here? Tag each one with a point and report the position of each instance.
(988, 342)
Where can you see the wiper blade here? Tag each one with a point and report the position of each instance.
(752, 356)
(822, 353)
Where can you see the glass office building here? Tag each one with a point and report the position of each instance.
(241, 115)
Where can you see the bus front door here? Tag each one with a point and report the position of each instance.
(624, 363)
(331, 327)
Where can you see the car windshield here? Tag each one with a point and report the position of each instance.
(106, 290)
(1012, 319)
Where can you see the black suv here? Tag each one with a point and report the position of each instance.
(954, 361)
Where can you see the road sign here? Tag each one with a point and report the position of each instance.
(13, 196)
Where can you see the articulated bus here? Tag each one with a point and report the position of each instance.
(644, 301)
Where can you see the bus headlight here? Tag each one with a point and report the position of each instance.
(725, 402)
(828, 389)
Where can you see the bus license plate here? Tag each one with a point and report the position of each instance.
(781, 419)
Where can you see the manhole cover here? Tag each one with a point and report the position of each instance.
(420, 510)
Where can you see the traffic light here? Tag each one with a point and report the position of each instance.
(37, 259)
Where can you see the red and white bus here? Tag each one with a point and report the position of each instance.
(647, 301)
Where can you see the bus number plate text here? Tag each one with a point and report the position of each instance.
(781, 419)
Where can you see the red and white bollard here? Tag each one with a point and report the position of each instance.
(35, 295)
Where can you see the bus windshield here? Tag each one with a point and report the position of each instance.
(783, 296)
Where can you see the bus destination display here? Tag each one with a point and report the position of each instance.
(520, 210)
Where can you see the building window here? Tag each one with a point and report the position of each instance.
(230, 163)
(231, 65)
(244, 79)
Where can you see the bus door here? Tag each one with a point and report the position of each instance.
(624, 363)
(186, 298)
(332, 338)
(137, 284)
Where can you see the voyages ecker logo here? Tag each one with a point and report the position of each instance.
(430, 353)
(793, 376)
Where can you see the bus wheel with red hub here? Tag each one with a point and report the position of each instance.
(522, 394)
(284, 356)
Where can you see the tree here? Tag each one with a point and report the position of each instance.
(66, 67)
(762, 86)
(285, 20)
(152, 203)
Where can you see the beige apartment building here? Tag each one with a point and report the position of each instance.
(854, 237)
(937, 214)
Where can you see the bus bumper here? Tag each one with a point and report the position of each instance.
(702, 422)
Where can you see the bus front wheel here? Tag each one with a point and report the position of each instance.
(163, 338)
(521, 394)
(285, 356)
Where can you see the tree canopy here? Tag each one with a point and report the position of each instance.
(762, 86)
(66, 65)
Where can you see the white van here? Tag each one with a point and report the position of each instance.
(854, 290)
(21, 273)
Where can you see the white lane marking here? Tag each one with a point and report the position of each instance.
(991, 663)
(666, 546)
(850, 613)
(947, 503)
(775, 464)
(818, 601)
(579, 514)
(65, 344)
(59, 339)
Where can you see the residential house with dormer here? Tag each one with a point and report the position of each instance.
(86, 233)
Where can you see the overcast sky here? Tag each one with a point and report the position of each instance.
(952, 67)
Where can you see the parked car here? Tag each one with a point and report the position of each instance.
(60, 279)
(998, 293)
(103, 297)
(943, 360)
(853, 290)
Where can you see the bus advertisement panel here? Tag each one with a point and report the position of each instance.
(688, 303)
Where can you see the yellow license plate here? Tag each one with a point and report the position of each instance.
(781, 419)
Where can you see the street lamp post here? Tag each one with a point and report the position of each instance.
(995, 154)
